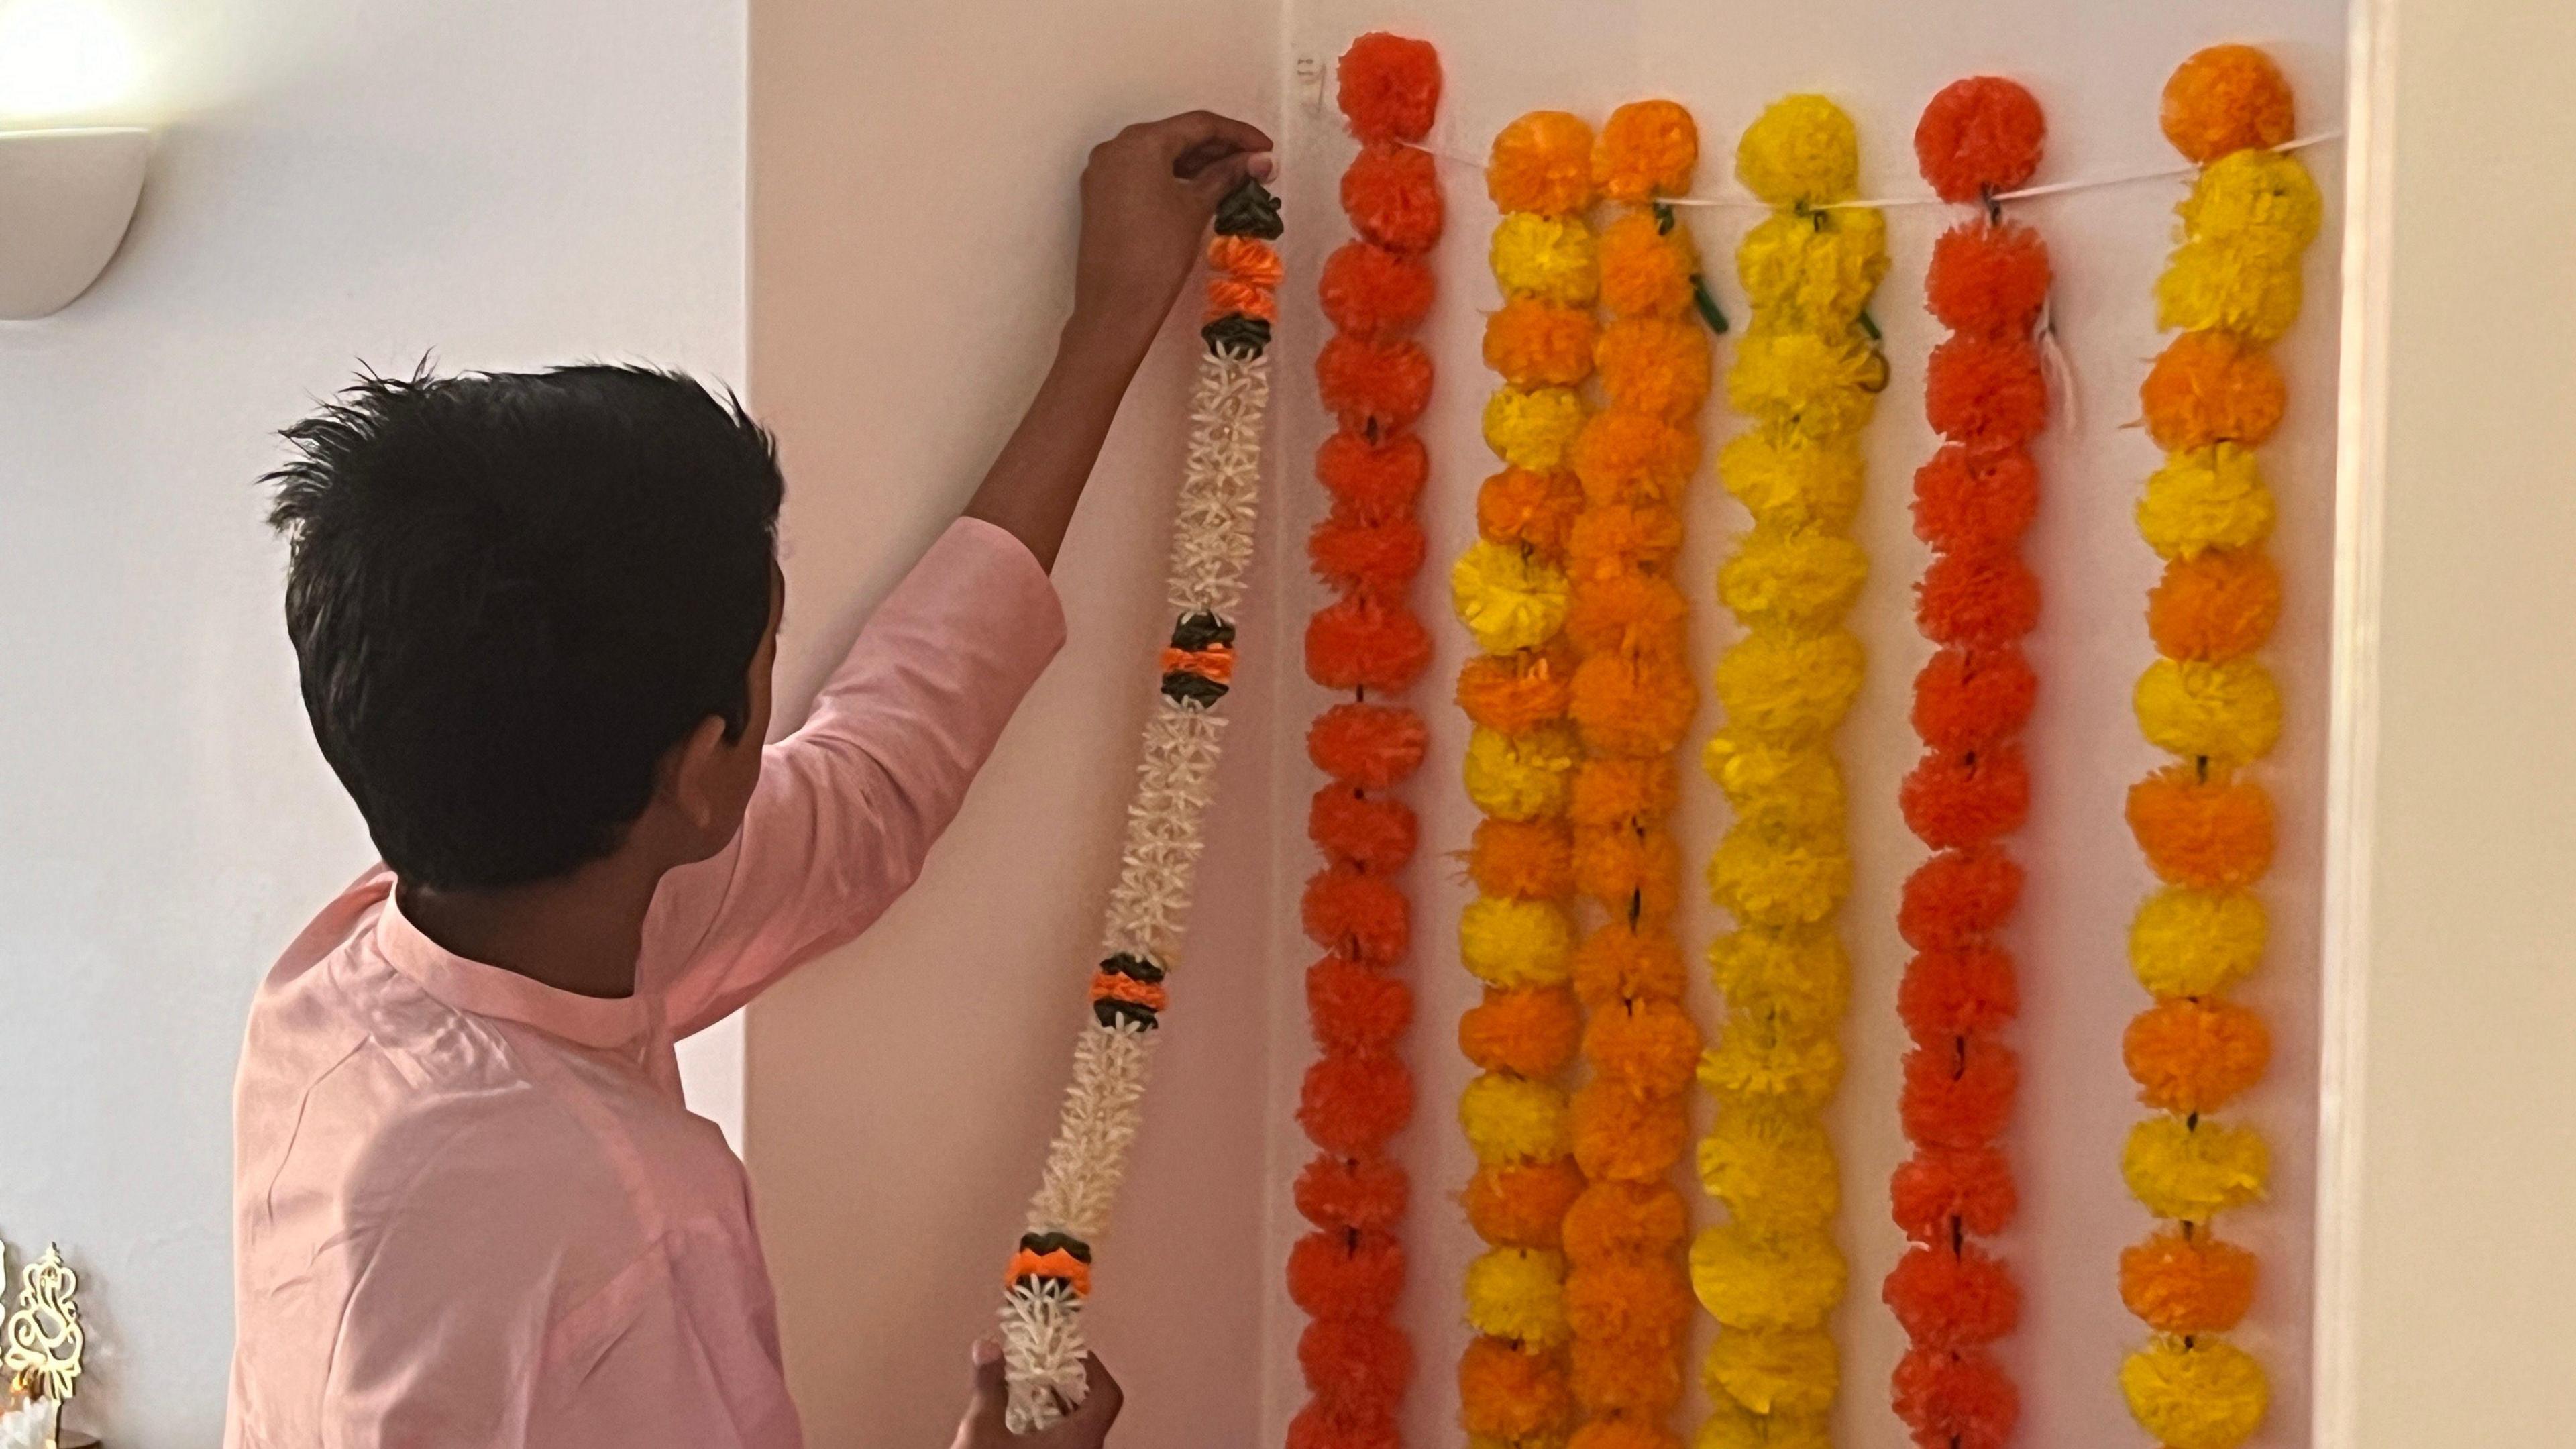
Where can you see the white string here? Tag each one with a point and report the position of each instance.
(2126, 178)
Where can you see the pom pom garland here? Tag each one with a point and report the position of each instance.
(1358, 1093)
(1984, 392)
(2231, 286)
(1049, 1277)
(1807, 375)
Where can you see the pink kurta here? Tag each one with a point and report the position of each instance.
(472, 1210)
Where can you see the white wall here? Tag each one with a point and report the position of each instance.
(510, 184)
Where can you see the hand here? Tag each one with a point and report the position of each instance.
(1085, 1428)
(1146, 199)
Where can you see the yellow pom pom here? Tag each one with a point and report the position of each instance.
(1548, 257)
(1513, 1119)
(1802, 152)
(1509, 943)
(1772, 1168)
(2217, 286)
(2260, 201)
(2208, 1394)
(1808, 384)
(2189, 1172)
(1730, 1425)
(1521, 777)
(1793, 1371)
(1507, 598)
(1518, 1294)
(1746, 1280)
(1813, 272)
(1801, 580)
(2195, 943)
(1783, 790)
(2226, 713)
(1801, 975)
(1793, 482)
(2206, 498)
(1789, 686)
(1764, 1058)
(1532, 429)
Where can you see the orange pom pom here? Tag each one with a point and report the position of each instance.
(1506, 1393)
(1959, 1094)
(1615, 964)
(1368, 831)
(2195, 1056)
(1346, 1275)
(1367, 1359)
(1647, 149)
(2208, 834)
(1352, 553)
(1979, 136)
(1654, 366)
(1371, 292)
(1647, 1047)
(1529, 860)
(1513, 693)
(1535, 510)
(1985, 391)
(1536, 343)
(1952, 802)
(1628, 871)
(1228, 297)
(1373, 480)
(2211, 387)
(2193, 1284)
(1629, 614)
(1332, 1423)
(1372, 746)
(2216, 606)
(1345, 1194)
(1950, 994)
(1984, 598)
(1988, 277)
(1246, 259)
(1529, 1033)
(1624, 1137)
(1626, 457)
(1373, 386)
(1643, 1304)
(1645, 270)
(1967, 699)
(1522, 1205)
(1542, 163)
(2225, 99)
(1389, 87)
(1967, 500)
(1624, 793)
(1619, 1376)
(1353, 1104)
(1355, 1009)
(1392, 194)
(1633, 704)
(1623, 1433)
(1608, 542)
(1939, 1187)
(1625, 1220)
(1364, 642)
(1956, 897)
(1359, 916)
(1955, 1400)
(1952, 1300)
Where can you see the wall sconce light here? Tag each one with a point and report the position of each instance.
(67, 192)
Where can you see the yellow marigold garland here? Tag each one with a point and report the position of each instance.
(2231, 286)
(1627, 1292)
(1518, 936)
(1807, 373)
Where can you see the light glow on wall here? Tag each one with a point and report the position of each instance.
(61, 60)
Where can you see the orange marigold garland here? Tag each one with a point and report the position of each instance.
(1627, 1294)
(1347, 1272)
(2231, 287)
(1518, 936)
(1807, 373)
(1984, 394)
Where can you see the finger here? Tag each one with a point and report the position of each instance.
(1100, 1405)
(1178, 135)
(1215, 181)
(992, 1390)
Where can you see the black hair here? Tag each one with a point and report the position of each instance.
(512, 593)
